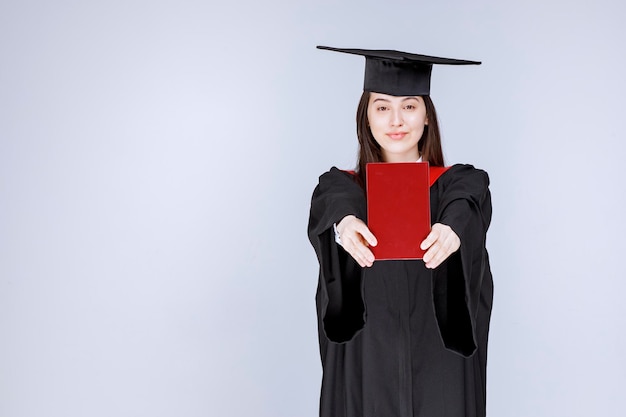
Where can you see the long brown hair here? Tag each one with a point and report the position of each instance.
(429, 145)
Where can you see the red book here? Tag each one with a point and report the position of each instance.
(398, 208)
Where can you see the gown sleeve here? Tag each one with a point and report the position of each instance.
(462, 284)
(340, 302)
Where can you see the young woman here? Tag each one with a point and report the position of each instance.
(403, 338)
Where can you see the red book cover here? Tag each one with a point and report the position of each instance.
(398, 208)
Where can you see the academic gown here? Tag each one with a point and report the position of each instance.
(398, 339)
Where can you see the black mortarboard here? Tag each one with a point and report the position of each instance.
(398, 73)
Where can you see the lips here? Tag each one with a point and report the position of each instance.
(397, 135)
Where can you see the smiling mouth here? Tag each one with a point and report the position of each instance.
(397, 135)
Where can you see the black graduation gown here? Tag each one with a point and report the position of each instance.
(398, 339)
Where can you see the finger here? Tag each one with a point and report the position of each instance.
(365, 232)
(351, 225)
(449, 242)
(428, 255)
(431, 252)
(350, 248)
(366, 254)
(441, 251)
(437, 259)
(361, 244)
(357, 249)
(362, 260)
(430, 239)
(369, 257)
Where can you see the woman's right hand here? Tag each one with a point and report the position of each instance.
(356, 238)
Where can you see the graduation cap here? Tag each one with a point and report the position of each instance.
(398, 73)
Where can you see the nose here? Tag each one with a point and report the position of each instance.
(396, 117)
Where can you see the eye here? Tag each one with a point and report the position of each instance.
(381, 108)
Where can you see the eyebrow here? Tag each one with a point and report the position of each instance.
(385, 100)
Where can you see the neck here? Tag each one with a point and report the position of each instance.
(402, 158)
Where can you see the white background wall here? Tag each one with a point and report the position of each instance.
(156, 164)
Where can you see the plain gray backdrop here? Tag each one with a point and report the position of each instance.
(157, 160)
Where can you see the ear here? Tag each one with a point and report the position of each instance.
(426, 122)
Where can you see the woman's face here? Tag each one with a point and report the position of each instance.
(397, 124)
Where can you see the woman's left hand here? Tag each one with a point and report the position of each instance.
(440, 243)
